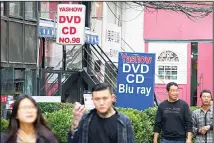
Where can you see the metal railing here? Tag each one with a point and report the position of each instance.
(92, 64)
(52, 79)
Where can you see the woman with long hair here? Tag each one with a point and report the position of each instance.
(27, 124)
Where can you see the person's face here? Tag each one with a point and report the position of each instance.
(103, 100)
(206, 99)
(173, 92)
(27, 111)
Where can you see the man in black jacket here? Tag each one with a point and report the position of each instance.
(104, 124)
(173, 119)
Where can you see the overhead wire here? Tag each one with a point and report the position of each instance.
(134, 7)
(127, 8)
(119, 18)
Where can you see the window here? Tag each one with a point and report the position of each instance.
(30, 10)
(30, 44)
(168, 56)
(166, 69)
(4, 36)
(168, 72)
(15, 42)
(15, 9)
(7, 81)
(19, 76)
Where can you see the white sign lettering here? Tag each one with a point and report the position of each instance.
(135, 68)
(138, 78)
(125, 88)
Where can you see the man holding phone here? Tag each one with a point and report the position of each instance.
(104, 124)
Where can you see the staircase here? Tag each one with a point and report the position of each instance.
(99, 68)
(55, 82)
(96, 67)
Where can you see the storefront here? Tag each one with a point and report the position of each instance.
(183, 51)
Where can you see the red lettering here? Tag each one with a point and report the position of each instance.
(123, 57)
(77, 19)
(73, 30)
(136, 59)
(70, 19)
(64, 29)
(148, 60)
(64, 40)
(70, 9)
(75, 40)
(69, 30)
(68, 40)
(62, 19)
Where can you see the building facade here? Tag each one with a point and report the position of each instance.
(110, 22)
(184, 52)
(18, 47)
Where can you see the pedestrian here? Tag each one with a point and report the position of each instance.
(211, 103)
(26, 124)
(173, 118)
(202, 119)
(104, 124)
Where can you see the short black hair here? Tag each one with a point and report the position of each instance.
(102, 86)
(205, 91)
(170, 84)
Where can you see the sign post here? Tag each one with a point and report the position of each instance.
(136, 78)
(70, 24)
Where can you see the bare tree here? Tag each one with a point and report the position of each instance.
(191, 9)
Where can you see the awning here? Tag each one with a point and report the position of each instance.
(47, 30)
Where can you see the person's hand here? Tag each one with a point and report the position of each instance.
(207, 128)
(203, 130)
(25, 138)
(188, 141)
(155, 140)
(78, 112)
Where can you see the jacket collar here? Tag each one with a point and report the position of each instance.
(120, 115)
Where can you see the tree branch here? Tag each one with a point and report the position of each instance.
(196, 10)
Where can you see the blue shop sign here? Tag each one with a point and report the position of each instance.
(135, 80)
(49, 32)
(46, 32)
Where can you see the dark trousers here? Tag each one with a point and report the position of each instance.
(171, 141)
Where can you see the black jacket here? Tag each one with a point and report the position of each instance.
(40, 139)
